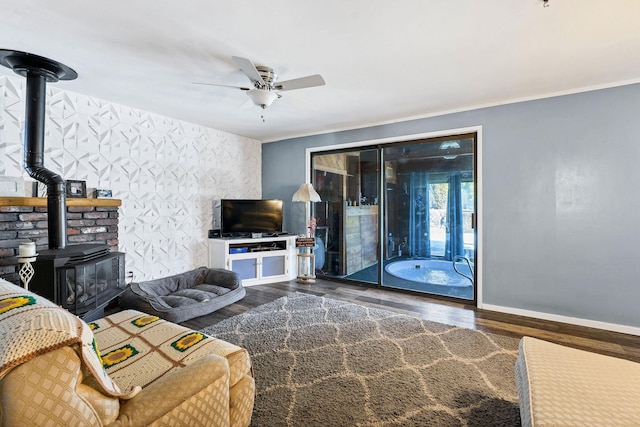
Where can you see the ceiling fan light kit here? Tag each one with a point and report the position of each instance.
(262, 97)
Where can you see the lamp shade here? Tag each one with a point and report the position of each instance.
(306, 193)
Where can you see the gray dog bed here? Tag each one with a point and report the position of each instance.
(186, 295)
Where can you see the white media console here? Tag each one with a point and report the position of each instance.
(257, 261)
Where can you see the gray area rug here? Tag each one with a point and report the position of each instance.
(323, 362)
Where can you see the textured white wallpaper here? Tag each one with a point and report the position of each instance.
(166, 171)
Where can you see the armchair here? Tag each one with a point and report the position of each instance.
(127, 369)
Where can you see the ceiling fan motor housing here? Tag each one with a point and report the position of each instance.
(268, 75)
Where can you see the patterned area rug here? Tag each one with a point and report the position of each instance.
(323, 362)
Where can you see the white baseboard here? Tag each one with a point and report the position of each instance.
(631, 330)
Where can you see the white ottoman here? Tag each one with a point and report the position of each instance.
(562, 386)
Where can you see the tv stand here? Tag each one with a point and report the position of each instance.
(257, 261)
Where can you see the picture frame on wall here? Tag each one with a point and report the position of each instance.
(76, 188)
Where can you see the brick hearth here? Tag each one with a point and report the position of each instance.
(95, 221)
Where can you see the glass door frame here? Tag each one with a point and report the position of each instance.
(379, 144)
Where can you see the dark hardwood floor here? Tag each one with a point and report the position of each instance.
(452, 313)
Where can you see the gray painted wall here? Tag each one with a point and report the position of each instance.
(561, 177)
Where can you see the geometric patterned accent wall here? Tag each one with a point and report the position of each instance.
(166, 171)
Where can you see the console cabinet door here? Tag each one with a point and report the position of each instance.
(274, 265)
(246, 266)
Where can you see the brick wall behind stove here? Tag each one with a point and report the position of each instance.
(85, 224)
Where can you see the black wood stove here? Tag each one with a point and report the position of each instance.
(84, 279)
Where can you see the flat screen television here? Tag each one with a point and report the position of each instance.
(240, 217)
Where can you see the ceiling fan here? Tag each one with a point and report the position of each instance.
(266, 88)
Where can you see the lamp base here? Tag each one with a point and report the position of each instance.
(306, 267)
(307, 280)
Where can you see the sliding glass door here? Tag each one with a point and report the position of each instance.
(430, 201)
(399, 215)
(347, 219)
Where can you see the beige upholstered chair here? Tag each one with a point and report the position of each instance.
(148, 372)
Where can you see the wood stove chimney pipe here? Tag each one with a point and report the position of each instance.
(38, 71)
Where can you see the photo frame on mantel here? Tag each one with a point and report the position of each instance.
(76, 188)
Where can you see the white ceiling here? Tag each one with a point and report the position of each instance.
(382, 61)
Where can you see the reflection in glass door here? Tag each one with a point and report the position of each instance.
(426, 237)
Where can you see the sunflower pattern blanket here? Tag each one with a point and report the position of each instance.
(31, 325)
(138, 348)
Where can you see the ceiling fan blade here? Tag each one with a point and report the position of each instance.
(300, 83)
(215, 84)
(249, 69)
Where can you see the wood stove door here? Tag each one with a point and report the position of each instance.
(88, 286)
